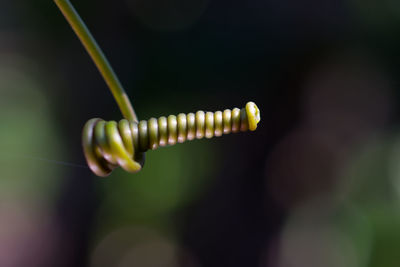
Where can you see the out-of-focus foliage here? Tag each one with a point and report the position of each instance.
(150, 186)
(29, 184)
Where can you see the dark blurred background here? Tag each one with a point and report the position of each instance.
(318, 183)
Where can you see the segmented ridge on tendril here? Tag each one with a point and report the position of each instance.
(111, 144)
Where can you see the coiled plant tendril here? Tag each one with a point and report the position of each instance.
(108, 145)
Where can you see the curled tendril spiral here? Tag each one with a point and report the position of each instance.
(108, 145)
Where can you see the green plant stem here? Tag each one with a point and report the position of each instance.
(98, 57)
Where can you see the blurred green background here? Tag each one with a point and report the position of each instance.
(318, 184)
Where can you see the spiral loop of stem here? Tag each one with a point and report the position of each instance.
(110, 144)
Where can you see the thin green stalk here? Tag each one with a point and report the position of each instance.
(98, 57)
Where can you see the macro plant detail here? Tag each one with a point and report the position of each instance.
(108, 144)
(111, 144)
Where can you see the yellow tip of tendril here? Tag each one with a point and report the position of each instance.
(253, 115)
